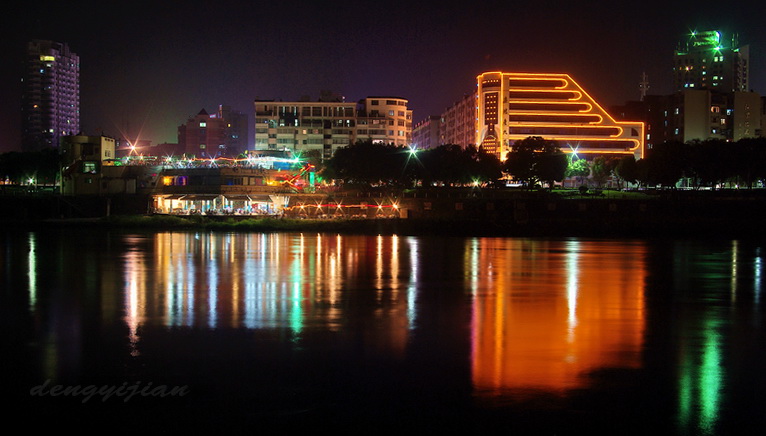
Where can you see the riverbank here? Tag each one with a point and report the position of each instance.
(565, 227)
(686, 214)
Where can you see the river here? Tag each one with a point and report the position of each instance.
(197, 332)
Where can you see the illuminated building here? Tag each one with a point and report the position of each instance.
(203, 136)
(515, 106)
(707, 60)
(326, 126)
(51, 95)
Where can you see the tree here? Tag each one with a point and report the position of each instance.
(578, 168)
(627, 169)
(366, 163)
(536, 159)
(551, 167)
(602, 168)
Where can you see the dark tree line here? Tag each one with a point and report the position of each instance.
(536, 160)
(374, 164)
(710, 163)
(42, 166)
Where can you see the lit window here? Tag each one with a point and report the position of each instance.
(202, 124)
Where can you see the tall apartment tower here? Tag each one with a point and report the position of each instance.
(708, 60)
(50, 95)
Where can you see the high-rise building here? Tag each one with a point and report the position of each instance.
(514, 106)
(51, 95)
(708, 60)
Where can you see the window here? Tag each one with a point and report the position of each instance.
(89, 167)
(202, 124)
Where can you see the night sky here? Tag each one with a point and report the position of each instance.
(146, 67)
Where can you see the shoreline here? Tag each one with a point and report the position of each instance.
(738, 214)
(681, 228)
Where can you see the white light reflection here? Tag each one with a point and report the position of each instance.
(758, 267)
(32, 270)
(734, 265)
(573, 254)
(473, 266)
(212, 284)
(412, 287)
(132, 316)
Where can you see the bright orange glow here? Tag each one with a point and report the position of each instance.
(548, 314)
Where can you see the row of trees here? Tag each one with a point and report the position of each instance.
(538, 161)
(709, 163)
(374, 164)
(533, 161)
(40, 166)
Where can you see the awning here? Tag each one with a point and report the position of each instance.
(170, 196)
(200, 197)
(239, 197)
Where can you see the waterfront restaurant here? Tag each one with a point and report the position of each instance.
(224, 191)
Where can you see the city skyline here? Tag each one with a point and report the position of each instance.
(146, 72)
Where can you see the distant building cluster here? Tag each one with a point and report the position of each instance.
(712, 99)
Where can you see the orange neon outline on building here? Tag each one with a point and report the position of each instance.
(559, 114)
(589, 106)
(565, 84)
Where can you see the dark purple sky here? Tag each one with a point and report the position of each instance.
(148, 66)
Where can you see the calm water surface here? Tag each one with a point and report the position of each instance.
(251, 332)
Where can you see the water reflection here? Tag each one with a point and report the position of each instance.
(550, 312)
(495, 319)
(275, 281)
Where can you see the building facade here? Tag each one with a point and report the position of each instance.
(708, 60)
(697, 115)
(203, 136)
(325, 126)
(459, 122)
(236, 132)
(50, 95)
(514, 106)
(89, 168)
(427, 133)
